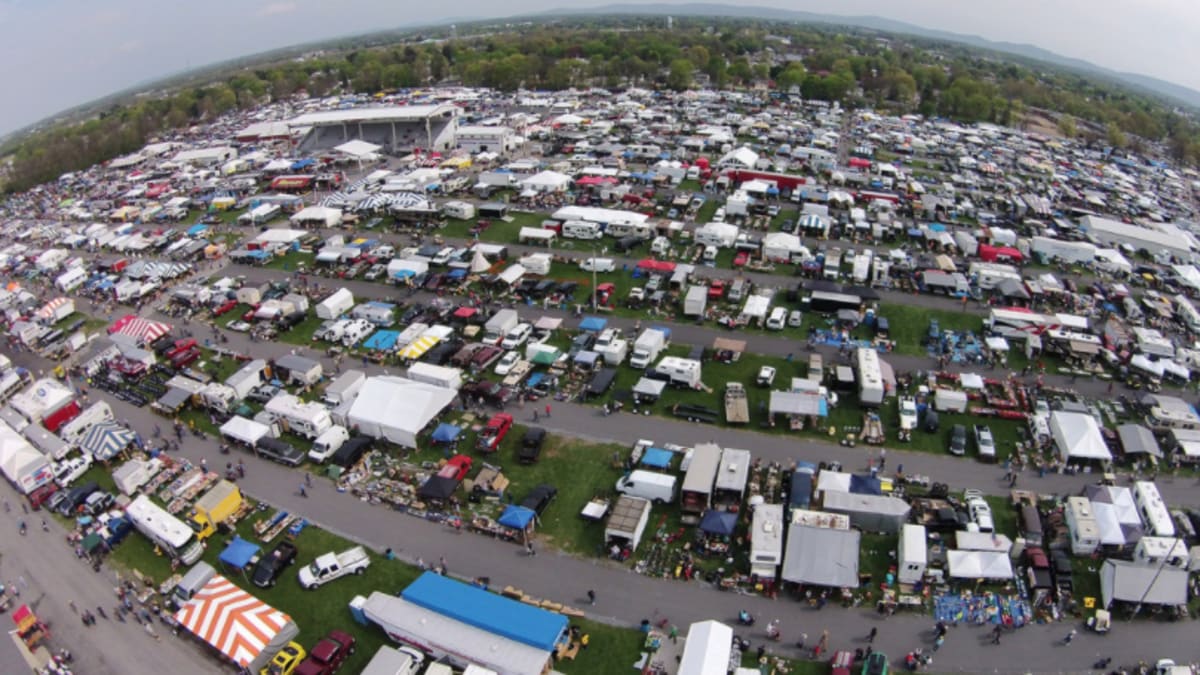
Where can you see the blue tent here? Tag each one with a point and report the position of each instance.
(238, 553)
(456, 273)
(593, 324)
(303, 164)
(516, 517)
(718, 522)
(382, 340)
(657, 458)
(403, 274)
(937, 227)
(865, 485)
(446, 433)
(199, 228)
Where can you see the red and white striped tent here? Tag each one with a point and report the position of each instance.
(144, 330)
(47, 310)
(238, 624)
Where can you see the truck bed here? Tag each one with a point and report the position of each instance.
(737, 406)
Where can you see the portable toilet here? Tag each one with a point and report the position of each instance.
(356, 610)
(912, 554)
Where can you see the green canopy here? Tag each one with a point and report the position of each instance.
(546, 357)
(91, 541)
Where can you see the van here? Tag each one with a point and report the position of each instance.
(1030, 522)
(192, 582)
(659, 488)
(328, 443)
(777, 319)
(627, 244)
(738, 290)
(517, 336)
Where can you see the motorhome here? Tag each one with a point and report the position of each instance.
(1153, 510)
(176, 540)
(307, 419)
(766, 541)
(679, 371)
(870, 378)
(581, 229)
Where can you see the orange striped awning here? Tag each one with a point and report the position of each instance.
(230, 619)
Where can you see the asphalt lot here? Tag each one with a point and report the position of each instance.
(626, 598)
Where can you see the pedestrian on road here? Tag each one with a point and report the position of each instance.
(882, 458)
(74, 609)
(761, 652)
(591, 595)
(996, 634)
(674, 635)
(303, 492)
(100, 611)
(535, 416)
(442, 566)
(1070, 636)
(937, 644)
(547, 411)
(529, 548)
(204, 465)
(241, 469)
(308, 479)
(801, 641)
(150, 631)
(872, 634)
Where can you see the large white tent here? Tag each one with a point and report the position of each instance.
(21, 463)
(821, 556)
(979, 565)
(397, 408)
(1116, 514)
(1126, 581)
(706, 649)
(1078, 436)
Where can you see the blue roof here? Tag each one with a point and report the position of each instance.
(239, 552)
(657, 457)
(593, 323)
(516, 517)
(382, 340)
(494, 613)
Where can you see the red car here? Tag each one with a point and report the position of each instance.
(716, 290)
(225, 307)
(40, 495)
(327, 655)
(495, 431)
(741, 259)
(457, 468)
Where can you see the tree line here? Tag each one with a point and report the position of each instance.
(856, 68)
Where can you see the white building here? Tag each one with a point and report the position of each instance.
(476, 139)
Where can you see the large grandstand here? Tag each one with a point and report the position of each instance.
(398, 129)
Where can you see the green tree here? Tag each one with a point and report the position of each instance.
(791, 76)
(681, 74)
(1114, 136)
(1066, 126)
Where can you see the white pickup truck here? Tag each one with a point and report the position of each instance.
(331, 565)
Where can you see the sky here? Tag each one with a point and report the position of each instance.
(61, 53)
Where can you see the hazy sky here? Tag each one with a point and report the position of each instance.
(60, 53)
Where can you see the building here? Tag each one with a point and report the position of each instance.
(476, 139)
(1115, 233)
(398, 130)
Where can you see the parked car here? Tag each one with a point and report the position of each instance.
(980, 511)
(539, 498)
(327, 655)
(97, 503)
(958, 440)
(766, 376)
(271, 565)
(531, 445)
(285, 662)
(508, 362)
(69, 470)
(985, 442)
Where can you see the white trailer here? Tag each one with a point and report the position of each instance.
(870, 378)
(696, 301)
(337, 304)
(135, 473)
(459, 210)
(1066, 251)
(950, 400)
(680, 371)
(862, 266)
(244, 431)
(246, 379)
(71, 279)
(1082, 526)
(499, 324)
(536, 263)
(309, 419)
(627, 522)
(344, 388)
(913, 554)
(438, 376)
(766, 541)
(168, 533)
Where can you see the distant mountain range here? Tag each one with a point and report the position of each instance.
(1175, 92)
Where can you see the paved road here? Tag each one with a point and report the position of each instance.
(50, 577)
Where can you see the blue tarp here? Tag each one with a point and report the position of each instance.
(593, 323)
(534, 380)
(587, 358)
(303, 164)
(239, 552)
(865, 485)
(491, 612)
(719, 522)
(194, 230)
(800, 490)
(937, 227)
(382, 340)
(456, 273)
(404, 274)
(657, 458)
(516, 517)
(446, 433)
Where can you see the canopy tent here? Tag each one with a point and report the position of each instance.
(437, 488)
(239, 625)
(21, 463)
(1116, 514)
(517, 517)
(833, 481)
(821, 556)
(971, 381)
(238, 553)
(382, 341)
(865, 485)
(105, 440)
(446, 433)
(48, 310)
(707, 649)
(649, 389)
(657, 458)
(1078, 436)
(548, 323)
(142, 330)
(359, 149)
(1125, 581)
(417, 348)
(722, 523)
(397, 409)
(979, 565)
(651, 265)
(1138, 440)
(593, 324)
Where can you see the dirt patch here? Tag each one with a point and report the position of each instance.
(1038, 123)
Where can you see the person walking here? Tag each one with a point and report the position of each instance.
(674, 634)
(303, 492)
(547, 411)
(308, 479)
(882, 458)
(1070, 636)
(937, 643)
(872, 634)
(996, 634)
(591, 595)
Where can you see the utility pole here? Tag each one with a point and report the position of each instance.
(595, 290)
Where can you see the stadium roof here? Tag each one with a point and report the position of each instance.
(411, 113)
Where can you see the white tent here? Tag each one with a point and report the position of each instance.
(512, 274)
(324, 216)
(742, 157)
(1078, 436)
(821, 556)
(971, 381)
(21, 463)
(781, 246)
(979, 565)
(706, 649)
(547, 181)
(359, 149)
(1151, 584)
(397, 409)
(833, 481)
(1116, 514)
(406, 267)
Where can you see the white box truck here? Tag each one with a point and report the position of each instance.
(395, 661)
(328, 443)
(648, 346)
(344, 388)
(696, 300)
(499, 324)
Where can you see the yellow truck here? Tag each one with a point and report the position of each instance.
(216, 506)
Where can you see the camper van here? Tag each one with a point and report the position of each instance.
(658, 488)
(679, 371)
(1152, 509)
(581, 229)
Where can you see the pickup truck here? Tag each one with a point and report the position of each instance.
(330, 566)
(328, 655)
(270, 566)
(737, 407)
(493, 434)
